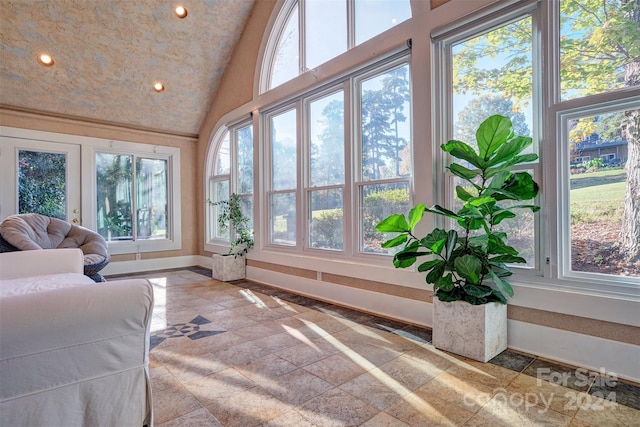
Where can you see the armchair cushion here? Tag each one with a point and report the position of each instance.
(34, 232)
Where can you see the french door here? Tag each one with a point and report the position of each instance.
(40, 177)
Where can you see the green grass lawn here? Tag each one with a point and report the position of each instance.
(598, 203)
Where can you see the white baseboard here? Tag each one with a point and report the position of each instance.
(572, 348)
(126, 267)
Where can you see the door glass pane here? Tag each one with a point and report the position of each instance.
(283, 151)
(386, 127)
(114, 192)
(375, 18)
(283, 219)
(376, 203)
(42, 183)
(605, 226)
(599, 46)
(326, 229)
(151, 197)
(244, 137)
(286, 64)
(326, 137)
(325, 41)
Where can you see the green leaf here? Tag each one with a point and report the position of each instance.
(444, 297)
(477, 290)
(435, 240)
(395, 223)
(452, 240)
(492, 134)
(499, 296)
(415, 215)
(462, 171)
(435, 274)
(509, 150)
(522, 185)
(462, 193)
(428, 265)
(396, 241)
(468, 267)
(502, 285)
(445, 283)
(439, 210)
(508, 259)
(502, 215)
(460, 150)
(481, 201)
(497, 246)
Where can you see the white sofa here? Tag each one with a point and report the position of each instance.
(72, 352)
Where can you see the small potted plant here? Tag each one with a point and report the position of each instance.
(231, 266)
(469, 263)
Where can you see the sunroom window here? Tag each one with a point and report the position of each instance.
(232, 173)
(304, 40)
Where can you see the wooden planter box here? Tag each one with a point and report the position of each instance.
(227, 267)
(478, 332)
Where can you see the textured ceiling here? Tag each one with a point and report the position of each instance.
(108, 54)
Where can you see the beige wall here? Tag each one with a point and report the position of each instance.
(187, 145)
(236, 89)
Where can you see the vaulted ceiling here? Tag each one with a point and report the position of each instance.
(109, 53)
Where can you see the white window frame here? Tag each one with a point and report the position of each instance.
(279, 26)
(549, 129)
(306, 153)
(215, 243)
(93, 146)
(444, 111)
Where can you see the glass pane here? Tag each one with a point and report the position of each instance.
(223, 160)
(325, 41)
(376, 203)
(386, 125)
(286, 61)
(220, 192)
(599, 46)
(151, 198)
(373, 18)
(42, 183)
(326, 137)
(326, 229)
(114, 186)
(605, 233)
(244, 138)
(283, 219)
(283, 151)
(492, 74)
(246, 203)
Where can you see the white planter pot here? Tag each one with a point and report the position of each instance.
(227, 267)
(478, 332)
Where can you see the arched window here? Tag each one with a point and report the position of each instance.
(232, 172)
(301, 39)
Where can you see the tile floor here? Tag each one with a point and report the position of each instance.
(244, 354)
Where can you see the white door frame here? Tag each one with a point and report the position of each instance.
(11, 141)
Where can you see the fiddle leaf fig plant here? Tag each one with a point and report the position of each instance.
(231, 215)
(470, 262)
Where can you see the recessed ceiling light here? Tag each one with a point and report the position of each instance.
(181, 12)
(158, 87)
(46, 60)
